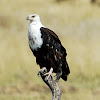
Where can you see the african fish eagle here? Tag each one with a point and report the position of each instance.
(47, 48)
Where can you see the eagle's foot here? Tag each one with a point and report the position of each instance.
(41, 71)
(48, 74)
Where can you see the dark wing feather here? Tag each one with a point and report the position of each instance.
(51, 33)
(50, 36)
(56, 52)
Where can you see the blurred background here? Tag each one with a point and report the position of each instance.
(76, 22)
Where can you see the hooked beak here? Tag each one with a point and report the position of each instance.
(27, 18)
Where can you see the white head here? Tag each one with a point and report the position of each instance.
(33, 18)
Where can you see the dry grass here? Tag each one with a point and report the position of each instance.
(78, 25)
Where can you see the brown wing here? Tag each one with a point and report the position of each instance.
(55, 51)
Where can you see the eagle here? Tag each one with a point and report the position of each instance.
(47, 48)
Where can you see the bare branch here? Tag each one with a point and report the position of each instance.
(52, 84)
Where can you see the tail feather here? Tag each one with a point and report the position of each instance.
(65, 72)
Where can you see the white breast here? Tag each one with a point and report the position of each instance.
(34, 35)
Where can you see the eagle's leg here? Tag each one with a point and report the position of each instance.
(42, 70)
(49, 73)
(58, 74)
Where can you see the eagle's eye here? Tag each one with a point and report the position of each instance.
(33, 16)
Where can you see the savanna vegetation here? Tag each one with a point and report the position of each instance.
(76, 22)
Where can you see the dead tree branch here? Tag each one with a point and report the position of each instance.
(52, 84)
